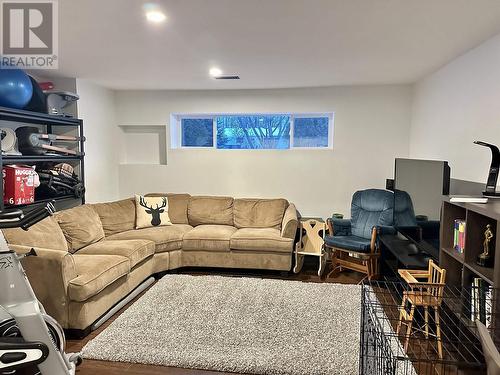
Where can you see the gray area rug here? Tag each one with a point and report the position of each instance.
(244, 325)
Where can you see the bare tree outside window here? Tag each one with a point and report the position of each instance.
(253, 132)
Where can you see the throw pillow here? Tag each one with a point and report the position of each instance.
(81, 226)
(151, 211)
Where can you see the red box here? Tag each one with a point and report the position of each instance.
(18, 184)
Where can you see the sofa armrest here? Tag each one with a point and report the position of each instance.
(49, 274)
(290, 222)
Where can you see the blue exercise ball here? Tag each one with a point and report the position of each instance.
(16, 88)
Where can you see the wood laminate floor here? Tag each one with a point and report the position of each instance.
(92, 367)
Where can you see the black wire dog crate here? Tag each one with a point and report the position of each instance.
(382, 349)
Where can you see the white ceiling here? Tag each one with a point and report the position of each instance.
(269, 43)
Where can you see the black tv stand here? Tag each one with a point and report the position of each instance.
(397, 252)
(420, 253)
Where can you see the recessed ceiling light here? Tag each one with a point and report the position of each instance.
(155, 16)
(215, 72)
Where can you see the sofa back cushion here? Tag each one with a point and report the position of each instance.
(81, 226)
(210, 210)
(46, 233)
(259, 213)
(116, 217)
(177, 206)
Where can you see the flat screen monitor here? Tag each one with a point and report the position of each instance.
(419, 188)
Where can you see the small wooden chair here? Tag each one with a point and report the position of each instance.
(426, 294)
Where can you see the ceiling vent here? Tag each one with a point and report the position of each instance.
(227, 77)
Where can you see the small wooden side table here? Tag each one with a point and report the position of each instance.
(311, 242)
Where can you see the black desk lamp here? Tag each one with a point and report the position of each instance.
(491, 184)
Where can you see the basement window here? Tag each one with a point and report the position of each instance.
(281, 131)
(253, 132)
(310, 132)
(197, 132)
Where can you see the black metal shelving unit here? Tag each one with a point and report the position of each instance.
(29, 117)
(35, 159)
(50, 122)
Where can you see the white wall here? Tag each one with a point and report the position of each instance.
(103, 145)
(371, 129)
(447, 111)
(456, 105)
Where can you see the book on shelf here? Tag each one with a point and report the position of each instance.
(459, 235)
(468, 199)
(481, 301)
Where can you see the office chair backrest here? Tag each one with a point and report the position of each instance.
(369, 208)
(490, 352)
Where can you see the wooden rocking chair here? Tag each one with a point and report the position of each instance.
(353, 243)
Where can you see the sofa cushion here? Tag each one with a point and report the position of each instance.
(166, 238)
(208, 237)
(135, 250)
(260, 239)
(46, 233)
(151, 212)
(259, 213)
(95, 272)
(210, 210)
(81, 226)
(177, 206)
(116, 216)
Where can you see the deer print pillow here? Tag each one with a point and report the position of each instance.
(151, 211)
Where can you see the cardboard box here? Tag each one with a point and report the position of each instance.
(18, 184)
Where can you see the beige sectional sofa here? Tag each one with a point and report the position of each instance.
(91, 256)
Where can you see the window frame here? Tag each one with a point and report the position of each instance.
(176, 129)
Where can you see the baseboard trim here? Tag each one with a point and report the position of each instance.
(145, 284)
